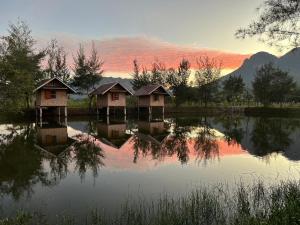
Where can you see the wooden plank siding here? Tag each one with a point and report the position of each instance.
(43, 101)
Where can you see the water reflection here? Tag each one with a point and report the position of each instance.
(26, 149)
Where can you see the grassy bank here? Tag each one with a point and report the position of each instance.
(256, 204)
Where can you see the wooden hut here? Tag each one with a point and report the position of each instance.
(52, 93)
(152, 96)
(110, 95)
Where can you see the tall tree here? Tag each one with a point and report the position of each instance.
(272, 85)
(87, 71)
(57, 62)
(277, 24)
(178, 80)
(207, 76)
(233, 88)
(20, 67)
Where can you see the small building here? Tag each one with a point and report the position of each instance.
(152, 95)
(154, 131)
(52, 93)
(111, 95)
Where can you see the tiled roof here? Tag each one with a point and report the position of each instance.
(149, 89)
(101, 90)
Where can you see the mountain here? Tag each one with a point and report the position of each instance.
(290, 62)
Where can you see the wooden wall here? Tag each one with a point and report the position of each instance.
(45, 135)
(60, 100)
(146, 101)
(106, 100)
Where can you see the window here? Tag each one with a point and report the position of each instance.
(50, 94)
(156, 98)
(114, 96)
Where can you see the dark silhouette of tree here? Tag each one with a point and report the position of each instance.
(233, 88)
(88, 155)
(19, 67)
(178, 81)
(87, 71)
(21, 163)
(57, 62)
(272, 85)
(272, 135)
(207, 76)
(277, 24)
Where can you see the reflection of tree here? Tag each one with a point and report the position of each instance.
(20, 163)
(87, 155)
(206, 144)
(232, 129)
(272, 135)
(177, 144)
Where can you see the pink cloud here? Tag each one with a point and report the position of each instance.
(119, 53)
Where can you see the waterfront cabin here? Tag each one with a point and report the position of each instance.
(110, 95)
(52, 93)
(152, 95)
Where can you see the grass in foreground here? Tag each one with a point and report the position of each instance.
(256, 204)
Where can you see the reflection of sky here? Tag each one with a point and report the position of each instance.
(120, 178)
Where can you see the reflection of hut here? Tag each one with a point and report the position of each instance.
(111, 95)
(151, 96)
(53, 139)
(113, 134)
(52, 93)
(153, 131)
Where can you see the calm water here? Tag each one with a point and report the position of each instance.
(77, 165)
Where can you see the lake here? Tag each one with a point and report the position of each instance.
(76, 165)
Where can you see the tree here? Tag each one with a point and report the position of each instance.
(207, 76)
(57, 63)
(19, 67)
(277, 24)
(87, 72)
(233, 88)
(140, 79)
(272, 85)
(178, 80)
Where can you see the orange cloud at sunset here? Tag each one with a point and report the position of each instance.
(118, 53)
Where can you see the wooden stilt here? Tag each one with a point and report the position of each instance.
(41, 117)
(107, 111)
(66, 111)
(163, 112)
(59, 114)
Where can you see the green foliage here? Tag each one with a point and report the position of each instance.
(233, 88)
(56, 63)
(19, 67)
(272, 85)
(87, 72)
(207, 76)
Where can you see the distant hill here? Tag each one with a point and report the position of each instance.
(289, 62)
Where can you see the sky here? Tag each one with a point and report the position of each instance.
(146, 30)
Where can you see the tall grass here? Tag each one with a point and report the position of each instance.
(254, 204)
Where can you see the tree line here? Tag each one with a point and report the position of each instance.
(23, 66)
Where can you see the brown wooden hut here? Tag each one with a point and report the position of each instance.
(151, 96)
(111, 95)
(52, 93)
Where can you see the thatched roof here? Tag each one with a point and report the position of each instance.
(102, 89)
(42, 83)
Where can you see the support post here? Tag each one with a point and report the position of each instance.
(125, 113)
(107, 111)
(59, 114)
(41, 116)
(163, 112)
(66, 111)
